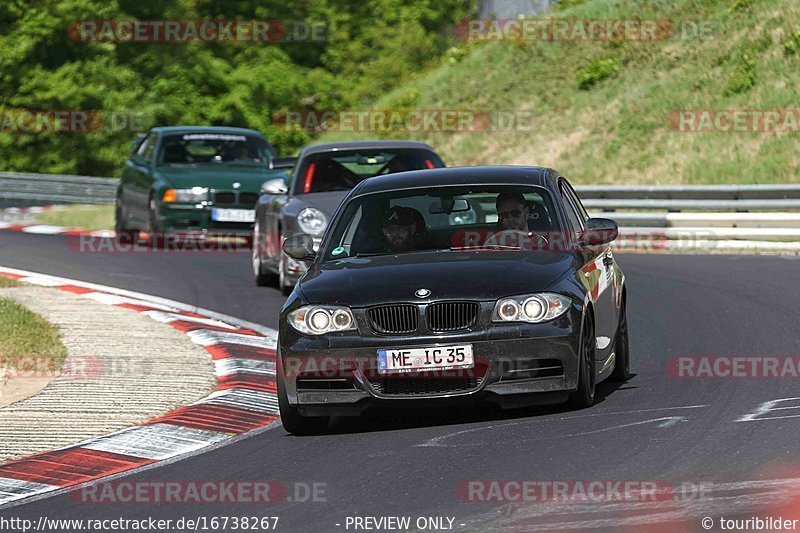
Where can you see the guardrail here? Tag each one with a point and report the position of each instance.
(19, 187)
(751, 215)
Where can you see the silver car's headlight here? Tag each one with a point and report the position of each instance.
(532, 308)
(312, 221)
(189, 196)
(321, 319)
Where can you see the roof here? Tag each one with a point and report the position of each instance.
(508, 175)
(365, 145)
(205, 129)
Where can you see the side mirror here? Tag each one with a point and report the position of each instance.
(300, 247)
(274, 186)
(598, 231)
(282, 162)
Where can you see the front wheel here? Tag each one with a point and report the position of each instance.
(293, 422)
(622, 362)
(285, 286)
(584, 396)
(121, 231)
(261, 278)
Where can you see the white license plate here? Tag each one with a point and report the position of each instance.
(398, 360)
(233, 215)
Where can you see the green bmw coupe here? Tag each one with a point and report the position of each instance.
(195, 178)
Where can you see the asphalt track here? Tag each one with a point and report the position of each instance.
(682, 432)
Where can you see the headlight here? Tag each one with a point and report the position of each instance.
(312, 221)
(188, 196)
(321, 319)
(530, 308)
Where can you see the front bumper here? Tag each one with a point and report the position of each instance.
(195, 217)
(514, 365)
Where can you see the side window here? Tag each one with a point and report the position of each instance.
(146, 148)
(573, 215)
(575, 200)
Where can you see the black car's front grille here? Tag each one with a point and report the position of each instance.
(224, 198)
(452, 316)
(416, 386)
(248, 199)
(398, 318)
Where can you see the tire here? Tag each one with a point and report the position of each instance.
(584, 396)
(293, 422)
(286, 289)
(262, 279)
(156, 239)
(121, 231)
(622, 362)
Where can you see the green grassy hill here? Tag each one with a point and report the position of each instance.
(600, 109)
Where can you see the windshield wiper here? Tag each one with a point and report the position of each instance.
(484, 247)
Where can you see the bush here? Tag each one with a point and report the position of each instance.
(792, 43)
(596, 72)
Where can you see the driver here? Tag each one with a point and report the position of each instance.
(512, 224)
(512, 211)
(404, 229)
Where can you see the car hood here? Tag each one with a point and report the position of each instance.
(219, 176)
(360, 282)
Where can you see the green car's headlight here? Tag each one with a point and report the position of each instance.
(189, 196)
(321, 319)
(532, 308)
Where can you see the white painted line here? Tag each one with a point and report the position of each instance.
(44, 229)
(114, 299)
(167, 318)
(4, 225)
(238, 365)
(260, 402)
(209, 337)
(156, 441)
(45, 281)
(268, 332)
(103, 233)
(13, 489)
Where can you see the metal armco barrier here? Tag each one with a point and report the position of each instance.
(764, 216)
(18, 187)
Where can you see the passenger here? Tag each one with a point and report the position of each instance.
(404, 230)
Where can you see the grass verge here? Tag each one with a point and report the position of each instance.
(91, 217)
(8, 282)
(28, 337)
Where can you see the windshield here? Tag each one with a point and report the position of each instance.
(483, 218)
(214, 148)
(343, 170)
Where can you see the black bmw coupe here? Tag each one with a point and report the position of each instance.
(452, 285)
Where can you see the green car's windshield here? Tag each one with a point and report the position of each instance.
(214, 148)
(453, 218)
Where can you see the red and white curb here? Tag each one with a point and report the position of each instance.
(46, 229)
(245, 399)
(20, 219)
